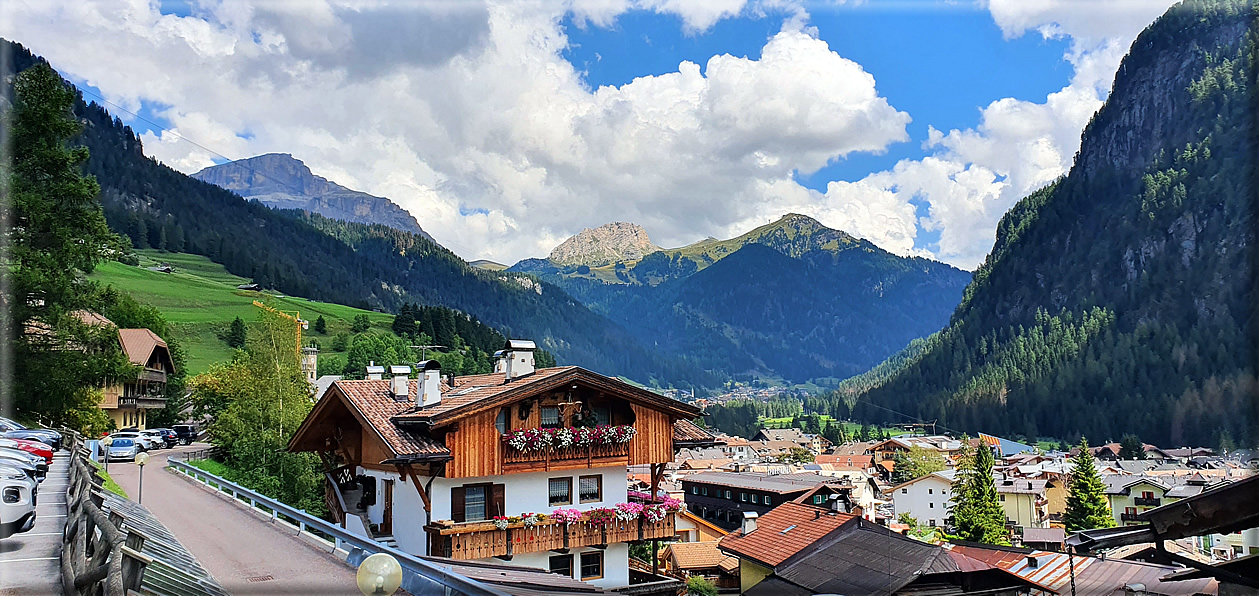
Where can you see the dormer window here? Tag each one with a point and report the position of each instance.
(550, 417)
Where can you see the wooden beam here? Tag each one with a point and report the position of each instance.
(406, 471)
(655, 479)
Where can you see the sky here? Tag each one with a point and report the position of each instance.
(505, 127)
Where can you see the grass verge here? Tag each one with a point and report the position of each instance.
(110, 485)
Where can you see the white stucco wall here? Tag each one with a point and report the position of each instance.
(523, 493)
(926, 500)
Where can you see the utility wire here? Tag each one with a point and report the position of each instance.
(153, 124)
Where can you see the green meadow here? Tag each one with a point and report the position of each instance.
(199, 298)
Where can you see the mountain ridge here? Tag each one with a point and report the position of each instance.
(282, 181)
(604, 245)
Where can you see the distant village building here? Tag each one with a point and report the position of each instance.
(925, 498)
(723, 497)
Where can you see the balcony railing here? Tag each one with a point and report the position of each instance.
(1128, 517)
(149, 374)
(564, 456)
(1150, 502)
(479, 540)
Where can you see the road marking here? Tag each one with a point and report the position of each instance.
(40, 534)
(53, 515)
(31, 559)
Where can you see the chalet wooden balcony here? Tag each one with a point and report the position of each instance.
(563, 458)
(480, 540)
(1151, 502)
(1128, 517)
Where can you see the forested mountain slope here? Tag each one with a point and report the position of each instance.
(792, 298)
(1121, 298)
(360, 265)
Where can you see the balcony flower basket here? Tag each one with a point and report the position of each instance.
(530, 519)
(501, 522)
(628, 511)
(566, 516)
(532, 439)
(655, 513)
(546, 439)
(601, 517)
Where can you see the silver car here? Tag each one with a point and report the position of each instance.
(144, 443)
(122, 449)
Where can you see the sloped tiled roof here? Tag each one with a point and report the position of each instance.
(687, 432)
(695, 555)
(773, 483)
(784, 531)
(1092, 575)
(139, 345)
(374, 401)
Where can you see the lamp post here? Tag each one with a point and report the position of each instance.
(379, 574)
(141, 459)
(105, 442)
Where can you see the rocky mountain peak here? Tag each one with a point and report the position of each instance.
(604, 245)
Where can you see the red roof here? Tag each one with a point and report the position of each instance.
(784, 531)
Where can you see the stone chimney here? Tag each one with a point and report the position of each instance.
(749, 522)
(401, 375)
(500, 362)
(375, 373)
(519, 356)
(430, 383)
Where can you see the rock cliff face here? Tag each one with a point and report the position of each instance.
(604, 245)
(281, 181)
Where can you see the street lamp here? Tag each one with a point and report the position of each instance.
(379, 574)
(141, 459)
(106, 442)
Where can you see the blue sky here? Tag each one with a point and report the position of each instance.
(482, 118)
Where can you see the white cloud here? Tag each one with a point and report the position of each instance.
(492, 140)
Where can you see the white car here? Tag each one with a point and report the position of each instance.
(145, 442)
(155, 438)
(122, 448)
(17, 502)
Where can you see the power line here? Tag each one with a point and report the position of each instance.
(154, 124)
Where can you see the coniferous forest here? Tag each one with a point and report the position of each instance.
(1121, 298)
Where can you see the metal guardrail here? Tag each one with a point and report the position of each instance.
(419, 576)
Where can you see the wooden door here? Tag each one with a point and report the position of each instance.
(386, 522)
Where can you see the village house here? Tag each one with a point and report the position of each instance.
(702, 559)
(887, 450)
(723, 497)
(461, 467)
(1131, 495)
(128, 402)
(925, 498)
(1024, 502)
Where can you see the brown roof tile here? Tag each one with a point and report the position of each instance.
(784, 531)
(696, 555)
(375, 402)
(685, 431)
(139, 345)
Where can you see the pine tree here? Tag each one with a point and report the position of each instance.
(361, 323)
(236, 334)
(1131, 447)
(977, 513)
(321, 326)
(1086, 503)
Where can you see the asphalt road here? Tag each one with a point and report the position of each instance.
(244, 551)
(30, 563)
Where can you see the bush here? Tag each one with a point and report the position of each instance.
(699, 585)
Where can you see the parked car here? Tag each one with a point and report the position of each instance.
(33, 447)
(17, 501)
(156, 437)
(123, 449)
(169, 436)
(187, 433)
(22, 461)
(143, 442)
(14, 430)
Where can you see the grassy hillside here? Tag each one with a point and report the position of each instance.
(199, 298)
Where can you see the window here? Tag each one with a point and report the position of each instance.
(560, 491)
(1145, 494)
(728, 496)
(562, 565)
(704, 491)
(931, 505)
(743, 497)
(501, 422)
(550, 417)
(590, 488)
(817, 499)
(592, 565)
(1001, 498)
(474, 503)
(603, 415)
(695, 490)
(766, 499)
(904, 491)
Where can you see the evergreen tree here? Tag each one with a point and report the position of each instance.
(1086, 502)
(236, 334)
(864, 433)
(321, 326)
(1131, 447)
(57, 234)
(361, 323)
(977, 513)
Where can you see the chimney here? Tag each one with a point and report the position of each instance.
(375, 373)
(519, 356)
(401, 375)
(500, 362)
(749, 522)
(430, 382)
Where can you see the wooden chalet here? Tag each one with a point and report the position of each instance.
(425, 463)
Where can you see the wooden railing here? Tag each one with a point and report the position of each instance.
(479, 540)
(96, 556)
(565, 455)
